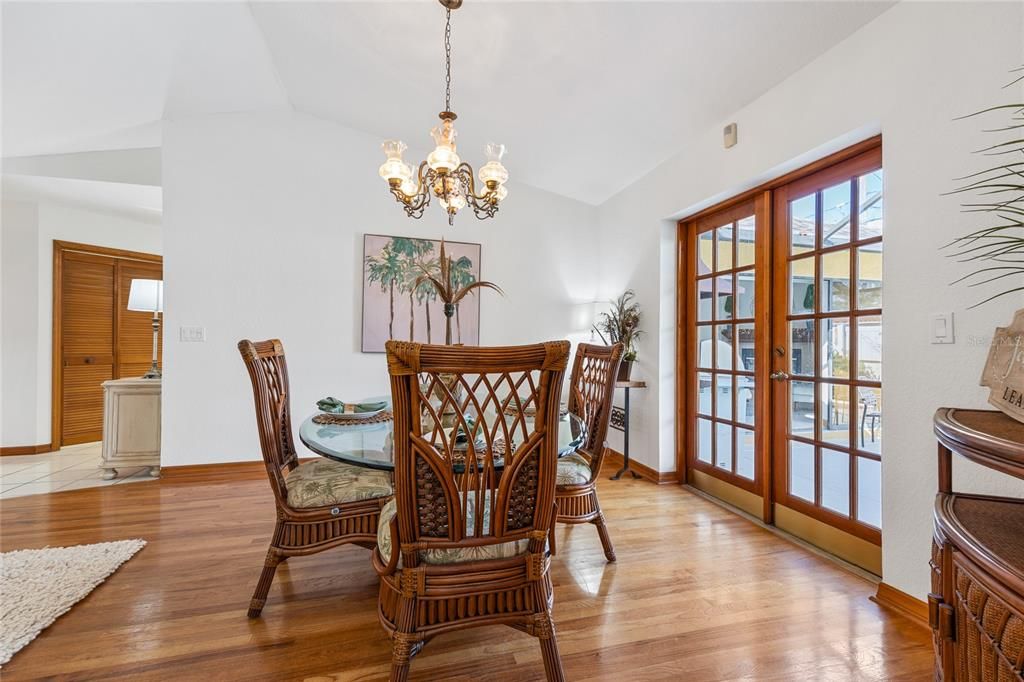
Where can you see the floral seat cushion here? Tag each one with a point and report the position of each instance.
(455, 555)
(324, 482)
(573, 469)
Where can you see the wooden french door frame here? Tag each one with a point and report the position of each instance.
(60, 248)
(811, 186)
(685, 432)
(758, 206)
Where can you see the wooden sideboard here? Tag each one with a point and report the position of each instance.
(976, 607)
(131, 425)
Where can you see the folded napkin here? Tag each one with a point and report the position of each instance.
(335, 406)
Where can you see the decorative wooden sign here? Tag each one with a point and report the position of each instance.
(1004, 370)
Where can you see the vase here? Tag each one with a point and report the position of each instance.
(625, 367)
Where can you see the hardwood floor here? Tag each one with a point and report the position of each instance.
(698, 594)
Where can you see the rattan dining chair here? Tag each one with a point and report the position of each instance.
(320, 503)
(591, 389)
(463, 543)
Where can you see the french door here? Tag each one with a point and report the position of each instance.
(826, 334)
(728, 304)
(780, 353)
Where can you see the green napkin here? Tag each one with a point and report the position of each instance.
(335, 406)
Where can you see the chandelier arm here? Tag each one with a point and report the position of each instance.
(471, 182)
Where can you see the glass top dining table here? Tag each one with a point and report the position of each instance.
(369, 445)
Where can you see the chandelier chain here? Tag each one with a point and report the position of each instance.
(448, 61)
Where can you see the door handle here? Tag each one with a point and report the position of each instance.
(779, 376)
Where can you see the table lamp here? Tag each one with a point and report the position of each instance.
(147, 295)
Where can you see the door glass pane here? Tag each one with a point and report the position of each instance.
(723, 446)
(869, 491)
(801, 347)
(869, 348)
(835, 480)
(869, 426)
(801, 470)
(745, 242)
(745, 294)
(724, 297)
(704, 300)
(704, 393)
(724, 241)
(705, 252)
(745, 346)
(835, 214)
(834, 412)
(704, 349)
(801, 224)
(835, 281)
(801, 408)
(745, 453)
(744, 399)
(723, 396)
(869, 276)
(869, 199)
(704, 452)
(835, 347)
(801, 285)
(723, 346)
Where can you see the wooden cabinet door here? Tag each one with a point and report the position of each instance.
(87, 344)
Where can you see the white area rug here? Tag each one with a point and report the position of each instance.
(37, 586)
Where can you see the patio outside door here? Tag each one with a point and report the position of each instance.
(780, 353)
(826, 342)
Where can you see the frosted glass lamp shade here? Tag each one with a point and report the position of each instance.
(146, 295)
(394, 168)
(493, 171)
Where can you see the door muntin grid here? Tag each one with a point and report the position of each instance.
(833, 333)
(724, 352)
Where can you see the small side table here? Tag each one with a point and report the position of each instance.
(620, 422)
(131, 425)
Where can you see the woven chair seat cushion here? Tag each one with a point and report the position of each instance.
(573, 469)
(324, 482)
(453, 555)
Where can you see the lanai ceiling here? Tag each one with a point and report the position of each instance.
(588, 96)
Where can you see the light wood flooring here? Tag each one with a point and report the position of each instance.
(698, 593)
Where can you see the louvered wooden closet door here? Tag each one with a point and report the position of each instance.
(135, 329)
(87, 328)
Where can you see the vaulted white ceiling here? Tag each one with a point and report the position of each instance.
(588, 97)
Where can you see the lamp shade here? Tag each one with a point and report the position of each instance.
(146, 295)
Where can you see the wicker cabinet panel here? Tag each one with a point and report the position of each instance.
(938, 640)
(990, 636)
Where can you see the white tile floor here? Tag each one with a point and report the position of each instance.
(70, 468)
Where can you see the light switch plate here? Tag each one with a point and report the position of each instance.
(940, 328)
(192, 334)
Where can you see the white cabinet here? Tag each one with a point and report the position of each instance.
(131, 425)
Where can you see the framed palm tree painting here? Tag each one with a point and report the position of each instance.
(397, 304)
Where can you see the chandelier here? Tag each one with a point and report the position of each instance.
(443, 174)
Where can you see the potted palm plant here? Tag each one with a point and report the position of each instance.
(996, 251)
(621, 324)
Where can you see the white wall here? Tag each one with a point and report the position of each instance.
(264, 217)
(29, 230)
(907, 75)
(18, 289)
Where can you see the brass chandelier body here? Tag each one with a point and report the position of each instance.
(443, 174)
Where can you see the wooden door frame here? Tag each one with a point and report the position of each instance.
(57, 320)
(759, 206)
(685, 267)
(848, 168)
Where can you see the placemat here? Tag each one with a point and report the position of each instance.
(338, 420)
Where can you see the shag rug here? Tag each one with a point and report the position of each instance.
(37, 586)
